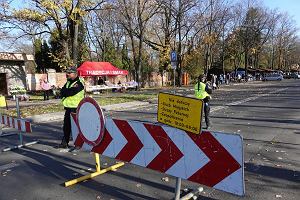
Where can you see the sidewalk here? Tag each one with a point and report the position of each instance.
(12, 104)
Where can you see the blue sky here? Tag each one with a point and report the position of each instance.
(292, 7)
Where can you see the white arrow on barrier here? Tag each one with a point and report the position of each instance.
(150, 148)
(193, 158)
(118, 142)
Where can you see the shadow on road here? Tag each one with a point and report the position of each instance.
(60, 167)
(279, 173)
(283, 121)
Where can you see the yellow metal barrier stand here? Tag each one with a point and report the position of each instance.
(3, 101)
(98, 172)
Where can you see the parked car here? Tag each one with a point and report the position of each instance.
(273, 77)
(295, 75)
(287, 75)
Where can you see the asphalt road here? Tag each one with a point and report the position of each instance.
(266, 114)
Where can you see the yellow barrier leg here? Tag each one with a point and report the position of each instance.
(98, 172)
(97, 159)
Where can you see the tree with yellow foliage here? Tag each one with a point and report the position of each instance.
(60, 18)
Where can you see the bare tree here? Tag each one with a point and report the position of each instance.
(134, 17)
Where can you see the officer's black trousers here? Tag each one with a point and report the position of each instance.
(206, 111)
(67, 125)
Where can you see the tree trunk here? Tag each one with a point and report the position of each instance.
(66, 50)
(206, 59)
(272, 57)
(246, 63)
(75, 45)
(139, 59)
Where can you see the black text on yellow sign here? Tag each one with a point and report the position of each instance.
(180, 112)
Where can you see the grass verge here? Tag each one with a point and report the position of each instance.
(52, 108)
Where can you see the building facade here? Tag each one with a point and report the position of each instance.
(13, 70)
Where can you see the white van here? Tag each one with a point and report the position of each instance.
(273, 77)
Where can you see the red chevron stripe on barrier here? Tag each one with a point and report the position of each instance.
(7, 118)
(169, 154)
(13, 123)
(221, 164)
(107, 139)
(19, 124)
(133, 146)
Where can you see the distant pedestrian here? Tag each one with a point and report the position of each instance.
(100, 81)
(218, 81)
(213, 81)
(203, 91)
(45, 85)
(239, 78)
(71, 93)
(228, 78)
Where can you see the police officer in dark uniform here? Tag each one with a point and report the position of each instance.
(72, 93)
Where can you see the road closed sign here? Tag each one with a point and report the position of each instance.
(90, 121)
(180, 112)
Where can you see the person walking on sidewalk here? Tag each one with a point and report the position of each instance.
(45, 85)
(203, 91)
(71, 93)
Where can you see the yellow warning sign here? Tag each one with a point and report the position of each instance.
(2, 101)
(180, 112)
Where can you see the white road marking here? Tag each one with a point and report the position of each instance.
(216, 108)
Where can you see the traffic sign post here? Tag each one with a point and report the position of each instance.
(211, 158)
(173, 65)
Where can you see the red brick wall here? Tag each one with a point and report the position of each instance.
(56, 79)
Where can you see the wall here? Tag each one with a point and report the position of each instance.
(33, 81)
(56, 79)
(13, 65)
(61, 79)
(15, 71)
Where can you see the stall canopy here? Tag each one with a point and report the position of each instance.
(99, 69)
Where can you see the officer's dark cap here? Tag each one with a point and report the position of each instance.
(71, 69)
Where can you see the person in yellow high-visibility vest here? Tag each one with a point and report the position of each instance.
(203, 91)
(71, 93)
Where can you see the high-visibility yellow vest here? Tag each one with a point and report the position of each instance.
(73, 101)
(201, 94)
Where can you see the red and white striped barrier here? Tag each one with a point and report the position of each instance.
(19, 124)
(210, 158)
